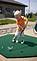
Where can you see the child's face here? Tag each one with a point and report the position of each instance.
(17, 16)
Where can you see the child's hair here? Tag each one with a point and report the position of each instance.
(17, 12)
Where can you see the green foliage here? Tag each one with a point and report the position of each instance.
(33, 18)
(7, 21)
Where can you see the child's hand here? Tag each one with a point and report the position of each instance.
(20, 27)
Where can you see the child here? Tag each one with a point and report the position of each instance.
(21, 23)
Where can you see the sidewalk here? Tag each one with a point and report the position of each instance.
(29, 30)
(2, 58)
(23, 59)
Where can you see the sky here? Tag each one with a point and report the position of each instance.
(33, 5)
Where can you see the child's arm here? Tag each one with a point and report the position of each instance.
(26, 20)
(24, 26)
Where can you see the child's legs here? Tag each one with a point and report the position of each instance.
(17, 35)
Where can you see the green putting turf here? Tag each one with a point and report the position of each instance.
(10, 49)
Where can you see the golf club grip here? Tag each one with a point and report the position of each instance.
(23, 30)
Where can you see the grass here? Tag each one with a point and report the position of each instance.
(7, 21)
(32, 19)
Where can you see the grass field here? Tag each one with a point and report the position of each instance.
(33, 18)
(7, 21)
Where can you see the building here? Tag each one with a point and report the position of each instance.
(7, 7)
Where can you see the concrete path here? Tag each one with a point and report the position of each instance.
(29, 30)
(2, 58)
(23, 59)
